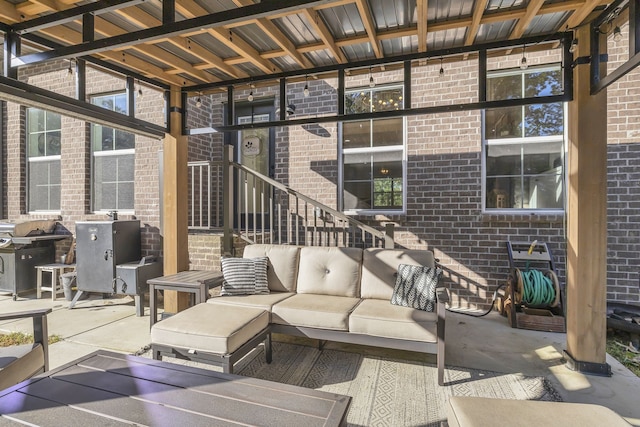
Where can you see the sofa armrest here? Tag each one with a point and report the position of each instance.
(442, 295)
(40, 330)
(25, 314)
(216, 280)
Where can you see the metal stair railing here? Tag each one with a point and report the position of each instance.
(270, 212)
(205, 198)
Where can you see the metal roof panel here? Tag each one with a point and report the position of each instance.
(400, 46)
(321, 58)
(442, 10)
(392, 14)
(297, 28)
(493, 5)
(495, 31)
(446, 39)
(343, 21)
(546, 24)
(214, 45)
(358, 52)
(253, 35)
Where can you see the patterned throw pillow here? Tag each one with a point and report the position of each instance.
(416, 287)
(244, 276)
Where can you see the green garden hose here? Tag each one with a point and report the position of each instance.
(538, 289)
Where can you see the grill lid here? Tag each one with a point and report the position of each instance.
(10, 228)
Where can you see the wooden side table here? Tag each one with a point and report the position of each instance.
(56, 270)
(195, 282)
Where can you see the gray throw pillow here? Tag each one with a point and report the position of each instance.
(416, 287)
(244, 276)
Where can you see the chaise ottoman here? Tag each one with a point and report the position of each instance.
(210, 333)
(485, 412)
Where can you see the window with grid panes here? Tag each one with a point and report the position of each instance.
(373, 152)
(43, 160)
(113, 159)
(524, 145)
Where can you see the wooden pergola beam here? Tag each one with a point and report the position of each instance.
(369, 26)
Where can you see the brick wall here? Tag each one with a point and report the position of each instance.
(623, 186)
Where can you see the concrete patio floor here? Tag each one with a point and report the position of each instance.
(481, 343)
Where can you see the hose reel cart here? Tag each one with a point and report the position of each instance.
(534, 297)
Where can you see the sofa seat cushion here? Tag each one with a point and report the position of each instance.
(211, 328)
(382, 319)
(265, 302)
(315, 311)
(465, 411)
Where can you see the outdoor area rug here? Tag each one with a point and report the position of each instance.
(386, 391)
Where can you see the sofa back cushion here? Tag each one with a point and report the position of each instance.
(282, 268)
(380, 268)
(330, 271)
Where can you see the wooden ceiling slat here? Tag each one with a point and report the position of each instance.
(532, 10)
(421, 24)
(369, 26)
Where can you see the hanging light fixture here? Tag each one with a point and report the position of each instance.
(441, 72)
(305, 91)
(139, 89)
(617, 34)
(250, 97)
(198, 100)
(523, 61)
(70, 70)
(574, 45)
(372, 82)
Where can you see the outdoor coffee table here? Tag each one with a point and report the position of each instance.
(104, 388)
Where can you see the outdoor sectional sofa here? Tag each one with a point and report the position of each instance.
(324, 293)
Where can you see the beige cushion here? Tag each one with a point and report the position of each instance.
(283, 264)
(264, 302)
(210, 328)
(381, 319)
(484, 412)
(379, 268)
(315, 311)
(20, 362)
(330, 271)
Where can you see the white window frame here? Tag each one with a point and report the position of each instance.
(524, 140)
(36, 159)
(372, 150)
(108, 153)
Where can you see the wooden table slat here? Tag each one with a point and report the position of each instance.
(45, 413)
(101, 402)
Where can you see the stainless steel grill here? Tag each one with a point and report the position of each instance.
(23, 246)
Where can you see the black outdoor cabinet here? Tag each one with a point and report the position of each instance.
(100, 246)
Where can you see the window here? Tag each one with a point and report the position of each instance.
(113, 160)
(524, 145)
(43, 154)
(373, 153)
